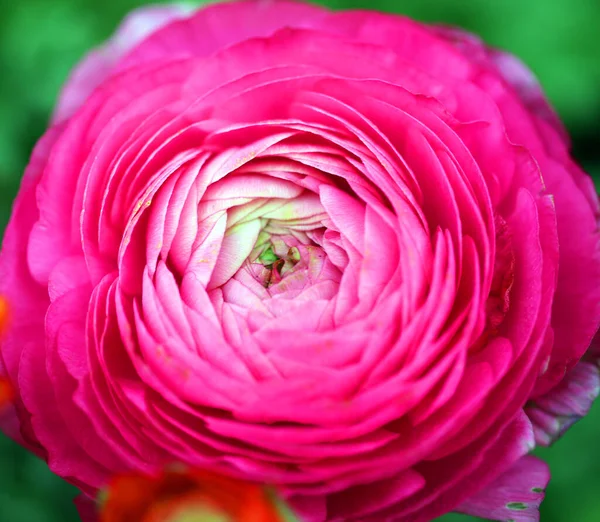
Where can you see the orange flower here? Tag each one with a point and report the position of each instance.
(7, 393)
(3, 314)
(188, 496)
(6, 389)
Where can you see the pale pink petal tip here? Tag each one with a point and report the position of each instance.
(556, 411)
(100, 63)
(514, 496)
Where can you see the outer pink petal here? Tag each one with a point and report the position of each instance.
(86, 507)
(515, 72)
(576, 310)
(556, 411)
(454, 479)
(217, 26)
(100, 63)
(28, 300)
(530, 121)
(516, 495)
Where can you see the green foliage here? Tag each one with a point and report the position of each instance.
(40, 41)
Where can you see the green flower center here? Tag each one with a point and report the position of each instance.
(268, 257)
(276, 265)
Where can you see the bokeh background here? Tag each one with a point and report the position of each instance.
(41, 40)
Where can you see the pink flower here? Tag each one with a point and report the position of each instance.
(344, 253)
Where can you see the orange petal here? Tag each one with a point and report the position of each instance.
(187, 496)
(7, 392)
(3, 314)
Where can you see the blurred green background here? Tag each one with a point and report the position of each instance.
(40, 40)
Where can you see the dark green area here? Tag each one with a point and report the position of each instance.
(40, 40)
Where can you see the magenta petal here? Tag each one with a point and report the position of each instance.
(360, 501)
(516, 495)
(65, 456)
(86, 508)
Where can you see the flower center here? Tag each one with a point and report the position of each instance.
(276, 258)
(283, 257)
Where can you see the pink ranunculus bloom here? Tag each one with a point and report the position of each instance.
(344, 253)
